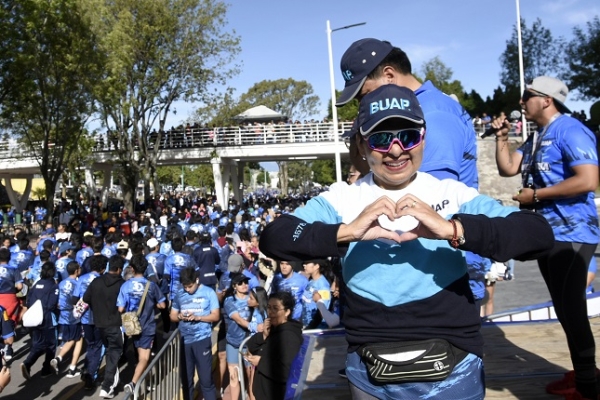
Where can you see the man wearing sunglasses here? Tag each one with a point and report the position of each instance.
(451, 151)
(559, 169)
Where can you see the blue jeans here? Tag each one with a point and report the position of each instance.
(198, 356)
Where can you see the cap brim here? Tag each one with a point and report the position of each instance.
(350, 92)
(369, 126)
(349, 133)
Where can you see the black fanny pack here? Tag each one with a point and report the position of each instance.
(412, 361)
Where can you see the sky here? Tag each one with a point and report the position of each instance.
(287, 39)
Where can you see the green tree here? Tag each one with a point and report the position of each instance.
(50, 73)
(323, 171)
(542, 54)
(159, 52)
(440, 75)
(347, 112)
(299, 175)
(291, 98)
(583, 58)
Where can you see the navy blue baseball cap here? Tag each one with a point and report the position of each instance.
(385, 102)
(361, 58)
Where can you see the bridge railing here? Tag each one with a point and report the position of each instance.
(234, 136)
(258, 134)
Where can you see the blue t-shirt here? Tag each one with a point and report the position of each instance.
(22, 259)
(61, 268)
(451, 148)
(235, 333)
(40, 245)
(566, 143)
(66, 290)
(173, 266)
(108, 251)
(166, 249)
(82, 254)
(9, 276)
(156, 267)
(309, 307)
(130, 296)
(201, 303)
(257, 319)
(84, 281)
(295, 284)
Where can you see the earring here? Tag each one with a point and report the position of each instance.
(364, 158)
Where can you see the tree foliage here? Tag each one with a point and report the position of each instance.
(299, 175)
(291, 98)
(323, 171)
(440, 75)
(49, 68)
(542, 54)
(583, 58)
(158, 51)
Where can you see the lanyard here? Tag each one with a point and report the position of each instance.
(537, 142)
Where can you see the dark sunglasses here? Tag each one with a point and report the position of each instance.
(529, 94)
(408, 139)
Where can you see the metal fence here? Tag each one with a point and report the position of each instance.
(161, 379)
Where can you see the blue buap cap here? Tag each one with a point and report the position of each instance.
(361, 58)
(388, 101)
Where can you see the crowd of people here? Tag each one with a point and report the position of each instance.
(190, 260)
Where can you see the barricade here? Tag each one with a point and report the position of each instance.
(161, 379)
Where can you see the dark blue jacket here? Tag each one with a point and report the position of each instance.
(47, 291)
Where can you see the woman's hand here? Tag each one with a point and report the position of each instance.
(431, 224)
(366, 227)
(316, 296)
(266, 328)
(252, 359)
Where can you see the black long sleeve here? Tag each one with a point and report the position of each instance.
(522, 235)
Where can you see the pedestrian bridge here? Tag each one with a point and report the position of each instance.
(226, 148)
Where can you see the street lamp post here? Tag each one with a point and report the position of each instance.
(338, 161)
(524, 132)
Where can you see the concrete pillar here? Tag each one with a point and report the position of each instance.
(238, 182)
(21, 203)
(89, 181)
(216, 164)
(226, 184)
(106, 182)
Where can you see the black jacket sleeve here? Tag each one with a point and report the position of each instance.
(292, 239)
(521, 235)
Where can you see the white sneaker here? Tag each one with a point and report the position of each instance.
(107, 395)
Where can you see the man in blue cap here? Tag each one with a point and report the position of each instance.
(451, 151)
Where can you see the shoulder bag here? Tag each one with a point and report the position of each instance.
(131, 320)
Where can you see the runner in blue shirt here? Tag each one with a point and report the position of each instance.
(174, 264)
(10, 283)
(318, 270)
(237, 317)
(86, 250)
(130, 298)
(23, 257)
(70, 327)
(65, 251)
(287, 280)
(93, 340)
(196, 308)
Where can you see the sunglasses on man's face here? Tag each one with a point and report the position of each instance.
(529, 94)
(408, 139)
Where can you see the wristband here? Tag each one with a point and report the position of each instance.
(535, 198)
